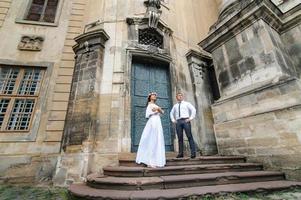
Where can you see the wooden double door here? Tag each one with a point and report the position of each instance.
(148, 76)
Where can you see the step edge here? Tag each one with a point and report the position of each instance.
(190, 177)
(130, 194)
(182, 166)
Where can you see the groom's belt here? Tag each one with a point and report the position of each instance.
(183, 118)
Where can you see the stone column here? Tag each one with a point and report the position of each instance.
(82, 120)
(82, 116)
(198, 66)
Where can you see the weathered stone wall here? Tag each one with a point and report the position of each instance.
(189, 22)
(257, 65)
(264, 125)
(292, 42)
(4, 7)
(251, 59)
(35, 159)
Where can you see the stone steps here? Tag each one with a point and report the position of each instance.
(181, 181)
(82, 191)
(187, 161)
(181, 178)
(123, 171)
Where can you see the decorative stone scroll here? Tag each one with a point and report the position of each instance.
(31, 43)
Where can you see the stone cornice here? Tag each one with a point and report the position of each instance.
(90, 40)
(250, 91)
(144, 53)
(236, 22)
(200, 58)
(202, 55)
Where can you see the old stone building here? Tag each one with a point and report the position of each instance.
(75, 75)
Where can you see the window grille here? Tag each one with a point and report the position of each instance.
(19, 91)
(21, 114)
(3, 108)
(151, 37)
(8, 79)
(31, 82)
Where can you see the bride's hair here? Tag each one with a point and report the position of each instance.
(149, 97)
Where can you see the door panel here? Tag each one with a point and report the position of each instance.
(148, 77)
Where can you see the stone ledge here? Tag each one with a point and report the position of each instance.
(253, 90)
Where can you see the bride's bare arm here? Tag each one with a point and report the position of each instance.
(160, 110)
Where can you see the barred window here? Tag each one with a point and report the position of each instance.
(3, 108)
(42, 10)
(19, 91)
(8, 79)
(150, 36)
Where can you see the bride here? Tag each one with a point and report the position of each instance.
(151, 150)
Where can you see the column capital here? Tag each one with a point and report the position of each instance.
(90, 40)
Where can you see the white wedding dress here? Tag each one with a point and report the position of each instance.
(151, 150)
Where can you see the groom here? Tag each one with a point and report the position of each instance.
(181, 115)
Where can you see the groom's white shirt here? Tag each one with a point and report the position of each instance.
(187, 111)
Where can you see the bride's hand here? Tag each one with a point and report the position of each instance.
(160, 110)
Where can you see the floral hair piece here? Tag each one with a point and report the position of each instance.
(152, 93)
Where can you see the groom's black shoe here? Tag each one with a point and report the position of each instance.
(193, 156)
(179, 156)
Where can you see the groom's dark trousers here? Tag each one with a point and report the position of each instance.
(180, 126)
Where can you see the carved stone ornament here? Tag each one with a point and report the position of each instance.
(198, 72)
(199, 62)
(153, 12)
(31, 43)
(87, 48)
(152, 49)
